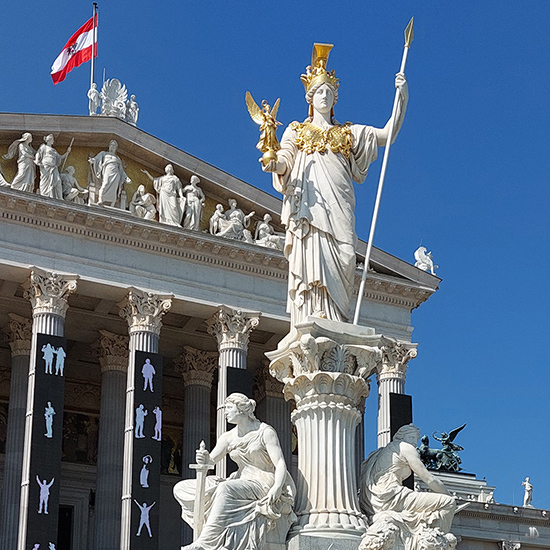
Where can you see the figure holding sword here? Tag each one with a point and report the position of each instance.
(316, 165)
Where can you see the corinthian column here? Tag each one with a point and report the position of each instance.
(232, 330)
(143, 311)
(391, 376)
(112, 350)
(197, 368)
(48, 294)
(19, 337)
(325, 371)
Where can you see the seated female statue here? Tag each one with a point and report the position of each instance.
(240, 510)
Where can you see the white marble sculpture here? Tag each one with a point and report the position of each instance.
(113, 98)
(48, 161)
(255, 503)
(49, 413)
(195, 204)
(402, 519)
(72, 191)
(528, 494)
(266, 236)
(26, 169)
(142, 204)
(109, 174)
(424, 260)
(231, 224)
(3, 181)
(94, 100)
(170, 201)
(132, 110)
(316, 165)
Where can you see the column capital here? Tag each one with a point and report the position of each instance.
(265, 385)
(48, 291)
(196, 366)
(112, 351)
(395, 358)
(19, 334)
(144, 310)
(232, 327)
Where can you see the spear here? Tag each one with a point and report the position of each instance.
(409, 35)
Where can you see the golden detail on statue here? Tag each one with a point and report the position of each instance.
(265, 117)
(311, 138)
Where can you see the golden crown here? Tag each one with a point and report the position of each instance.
(317, 72)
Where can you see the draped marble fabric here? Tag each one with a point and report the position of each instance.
(171, 202)
(383, 493)
(318, 212)
(49, 160)
(236, 511)
(24, 179)
(109, 170)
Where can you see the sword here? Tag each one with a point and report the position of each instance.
(198, 508)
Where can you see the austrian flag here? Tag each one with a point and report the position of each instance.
(77, 50)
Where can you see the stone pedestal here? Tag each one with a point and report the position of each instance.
(325, 366)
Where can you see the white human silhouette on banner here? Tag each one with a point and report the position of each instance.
(48, 353)
(148, 371)
(144, 473)
(60, 361)
(44, 494)
(158, 423)
(141, 413)
(144, 518)
(49, 412)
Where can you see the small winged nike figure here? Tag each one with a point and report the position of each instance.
(265, 117)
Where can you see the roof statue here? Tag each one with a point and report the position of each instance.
(528, 495)
(424, 260)
(314, 167)
(113, 101)
(445, 459)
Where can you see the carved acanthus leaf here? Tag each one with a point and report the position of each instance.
(144, 310)
(395, 356)
(232, 327)
(48, 292)
(197, 366)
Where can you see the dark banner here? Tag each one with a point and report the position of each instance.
(401, 413)
(146, 459)
(46, 442)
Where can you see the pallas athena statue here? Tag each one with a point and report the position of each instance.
(317, 163)
(254, 503)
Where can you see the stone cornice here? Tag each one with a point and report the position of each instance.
(123, 229)
(48, 291)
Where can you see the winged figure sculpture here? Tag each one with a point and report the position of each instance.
(265, 117)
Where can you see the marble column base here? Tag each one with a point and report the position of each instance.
(318, 541)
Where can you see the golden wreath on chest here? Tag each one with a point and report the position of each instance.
(310, 138)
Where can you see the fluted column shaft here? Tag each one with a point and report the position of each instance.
(113, 357)
(143, 312)
(48, 294)
(232, 330)
(19, 336)
(329, 408)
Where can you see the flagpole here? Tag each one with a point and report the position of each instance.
(94, 12)
(409, 35)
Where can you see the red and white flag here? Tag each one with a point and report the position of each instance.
(77, 50)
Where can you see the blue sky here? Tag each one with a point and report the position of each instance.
(468, 176)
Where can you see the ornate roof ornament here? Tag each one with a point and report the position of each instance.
(317, 72)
